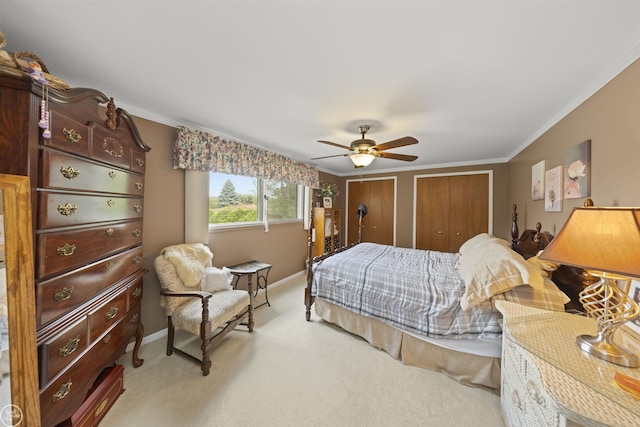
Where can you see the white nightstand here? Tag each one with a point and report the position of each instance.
(548, 381)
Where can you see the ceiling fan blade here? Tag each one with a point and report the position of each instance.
(335, 144)
(404, 157)
(400, 142)
(326, 157)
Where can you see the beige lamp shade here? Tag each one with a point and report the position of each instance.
(604, 239)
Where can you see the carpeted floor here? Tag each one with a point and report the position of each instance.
(290, 372)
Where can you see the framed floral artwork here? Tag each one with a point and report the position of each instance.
(553, 190)
(537, 181)
(577, 171)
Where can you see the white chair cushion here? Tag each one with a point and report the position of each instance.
(223, 306)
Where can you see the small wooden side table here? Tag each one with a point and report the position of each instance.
(249, 268)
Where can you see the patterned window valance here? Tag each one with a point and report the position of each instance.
(197, 150)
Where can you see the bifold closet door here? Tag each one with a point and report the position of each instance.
(450, 210)
(378, 196)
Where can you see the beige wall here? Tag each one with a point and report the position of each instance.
(611, 120)
(163, 213)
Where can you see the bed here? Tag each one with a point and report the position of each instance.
(435, 310)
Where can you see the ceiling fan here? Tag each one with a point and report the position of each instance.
(364, 151)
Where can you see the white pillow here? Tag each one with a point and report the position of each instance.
(478, 241)
(216, 279)
(492, 268)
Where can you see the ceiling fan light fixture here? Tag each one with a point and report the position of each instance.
(361, 160)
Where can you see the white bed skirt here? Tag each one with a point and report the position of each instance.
(464, 367)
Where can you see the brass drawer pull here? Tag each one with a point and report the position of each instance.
(108, 265)
(72, 135)
(111, 203)
(68, 209)
(106, 339)
(109, 231)
(136, 233)
(139, 161)
(63, 391)
(66, 250)
(112, 174)
(138, 185)
(69, 172)
(64, 294)
(137, 292)
(135, 318)
(137, 208)
(101, 407)
(70, 347)
(111, 313)
(136, 259)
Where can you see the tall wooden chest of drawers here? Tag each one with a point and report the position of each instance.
(87, 184)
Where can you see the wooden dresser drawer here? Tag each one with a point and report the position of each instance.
(58, 296)
(138, 160)
(62, 171)
(111, 148)
(65, 394)
(117, 148)
(58, 352)
(134, 294)
(66, 209)
(101, 397)
(63, 251)
(68, 135)
(107, 315)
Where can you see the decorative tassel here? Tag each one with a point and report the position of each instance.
(46, 133)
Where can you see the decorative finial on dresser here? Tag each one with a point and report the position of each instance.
(111, 121)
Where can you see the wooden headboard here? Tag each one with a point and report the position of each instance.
(530, 242)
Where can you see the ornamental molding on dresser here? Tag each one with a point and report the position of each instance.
(87, 180)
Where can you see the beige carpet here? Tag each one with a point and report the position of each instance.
(290, 372)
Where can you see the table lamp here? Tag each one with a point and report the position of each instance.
(605, 242)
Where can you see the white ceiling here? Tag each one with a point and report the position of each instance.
(474, 81)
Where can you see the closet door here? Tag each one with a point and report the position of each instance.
(432, 212)
(468, 208)
(450, 210)
(379, 197)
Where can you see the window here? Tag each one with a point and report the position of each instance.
(237, 199)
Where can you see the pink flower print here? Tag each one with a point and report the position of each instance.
(571, 189)
(576, 170)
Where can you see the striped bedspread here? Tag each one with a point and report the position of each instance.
(414, 290)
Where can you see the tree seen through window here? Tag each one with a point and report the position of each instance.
(238, 199)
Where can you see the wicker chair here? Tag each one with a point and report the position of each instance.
(209, 315)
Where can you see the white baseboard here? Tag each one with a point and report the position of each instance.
(163, 332)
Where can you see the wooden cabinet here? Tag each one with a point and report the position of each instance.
(327, 225)
(87, 184)
(450, 210)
